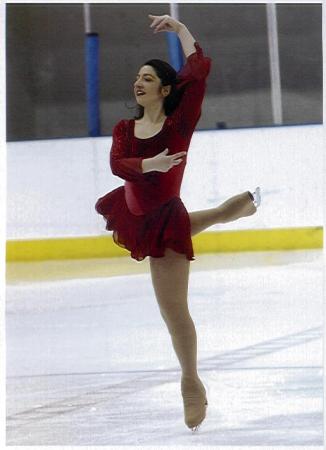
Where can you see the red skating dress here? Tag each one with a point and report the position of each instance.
(147, 215)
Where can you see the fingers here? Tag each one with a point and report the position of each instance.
(177, 158)
(156, 20)
(159, 22)
(161, 26)
(177, 155)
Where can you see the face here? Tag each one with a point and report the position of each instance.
(148, 88)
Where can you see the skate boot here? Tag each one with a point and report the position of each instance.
(256, 197)
(194, 402)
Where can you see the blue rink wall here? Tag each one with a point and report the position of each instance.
(53, 185)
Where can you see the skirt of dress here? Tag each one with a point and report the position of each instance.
(149, 234)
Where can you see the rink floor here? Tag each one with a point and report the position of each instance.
(90, 362)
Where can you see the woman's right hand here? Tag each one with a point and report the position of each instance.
(162, 162)
(164, 23)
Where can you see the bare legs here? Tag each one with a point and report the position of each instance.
(240, 205)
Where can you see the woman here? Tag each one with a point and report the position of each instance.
(146, 215)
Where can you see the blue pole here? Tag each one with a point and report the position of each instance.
(92, 83)
(175, 50)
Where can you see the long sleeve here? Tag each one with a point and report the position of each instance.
(122, 165)
(192, 80)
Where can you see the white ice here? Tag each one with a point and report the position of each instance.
(90, 361)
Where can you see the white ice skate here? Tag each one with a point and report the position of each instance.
(257, 196)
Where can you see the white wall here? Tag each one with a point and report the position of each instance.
(53, 184)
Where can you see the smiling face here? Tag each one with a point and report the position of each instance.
(148, 88)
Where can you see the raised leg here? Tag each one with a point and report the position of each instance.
(234, 208)
(170, 276)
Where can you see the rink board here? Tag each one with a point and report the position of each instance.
(206, 242)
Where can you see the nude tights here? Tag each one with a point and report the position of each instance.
(170, 276)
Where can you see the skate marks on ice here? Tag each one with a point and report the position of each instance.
(252, 406)
(226, 359)
(261, 359)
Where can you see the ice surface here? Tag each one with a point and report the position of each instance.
(90, 362)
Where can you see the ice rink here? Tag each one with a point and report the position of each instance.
(90, 362)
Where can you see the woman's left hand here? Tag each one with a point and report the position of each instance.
(164, 23)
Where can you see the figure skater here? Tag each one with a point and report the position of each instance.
(146, 215)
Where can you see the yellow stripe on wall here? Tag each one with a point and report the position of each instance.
(259, 240)
(205, 242)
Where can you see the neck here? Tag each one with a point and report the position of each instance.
(154, 113)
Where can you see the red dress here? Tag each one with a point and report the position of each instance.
(147, 215)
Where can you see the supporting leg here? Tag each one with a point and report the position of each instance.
(170, 276)
(238, 206)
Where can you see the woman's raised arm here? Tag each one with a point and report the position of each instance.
(167, 23)
(191, 77)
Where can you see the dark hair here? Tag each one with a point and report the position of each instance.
(168, 77)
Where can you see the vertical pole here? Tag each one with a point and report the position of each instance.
(92, 75)
(174, 45)
(274, 62)
(87, 18)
